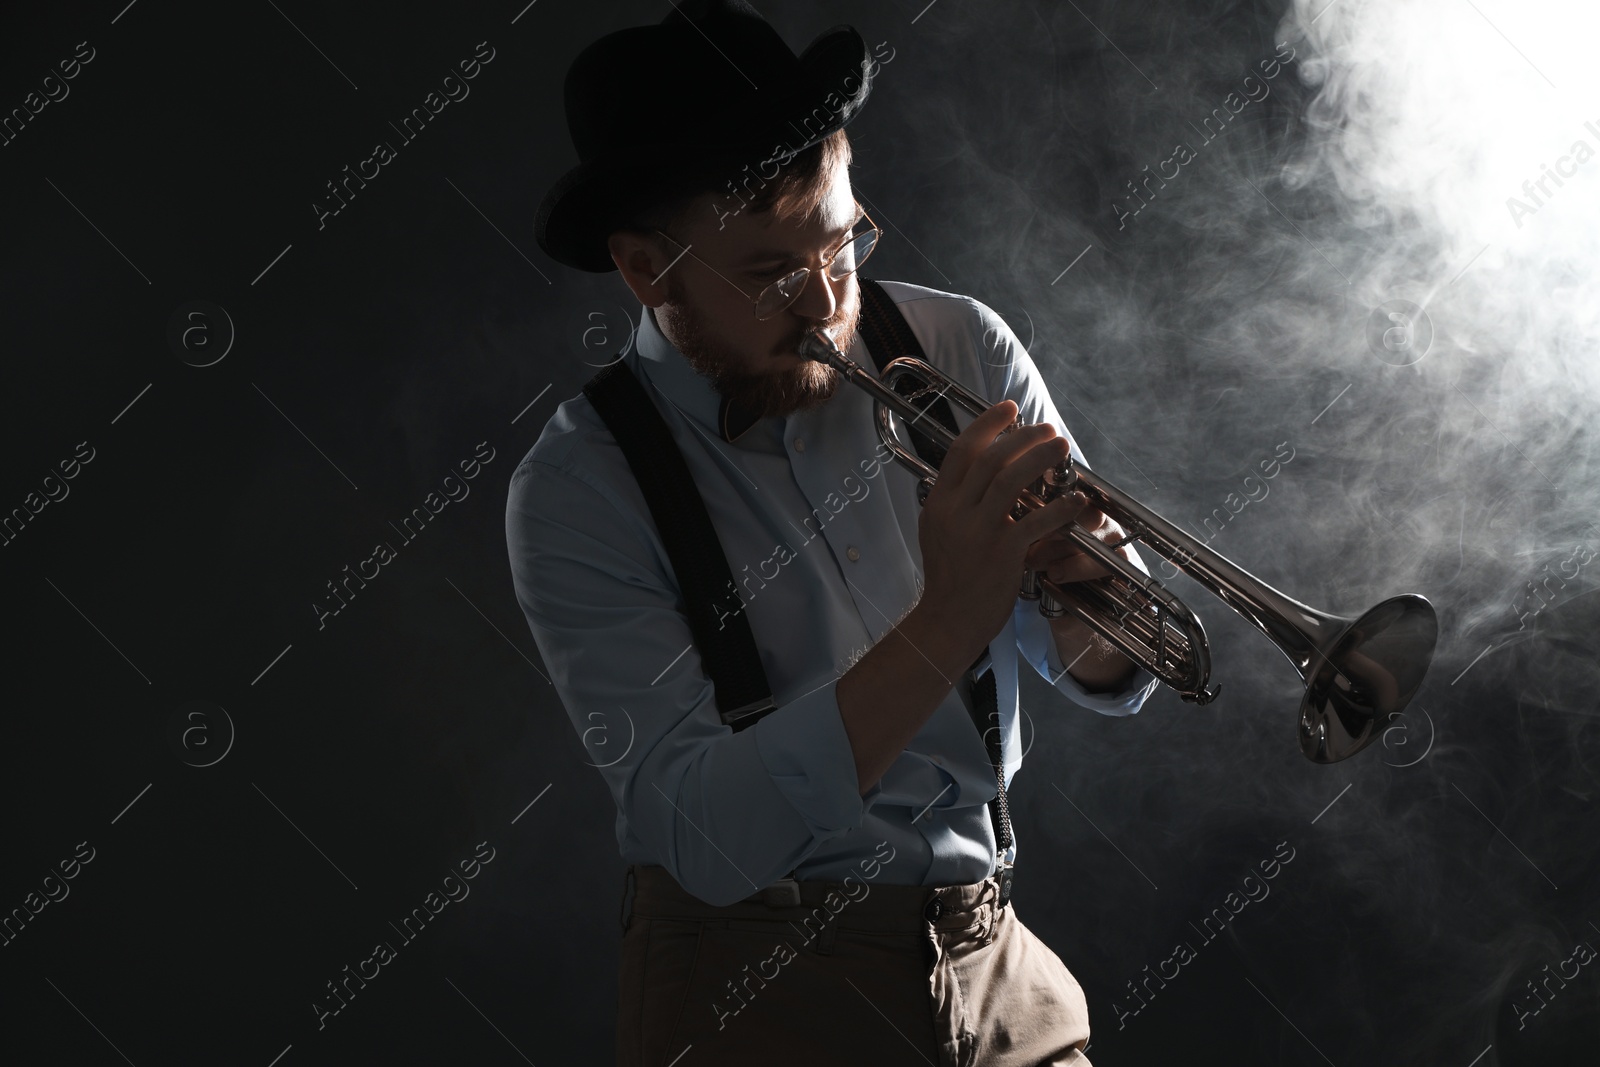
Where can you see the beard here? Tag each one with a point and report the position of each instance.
(766, 394)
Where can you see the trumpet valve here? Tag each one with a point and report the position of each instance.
(1030, 586)
(1050, 607)
(1059, 479)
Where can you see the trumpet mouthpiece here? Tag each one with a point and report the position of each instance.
(818, 346)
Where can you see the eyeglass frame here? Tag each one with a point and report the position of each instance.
(755, 301)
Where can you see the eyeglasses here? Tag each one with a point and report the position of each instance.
(850, 254)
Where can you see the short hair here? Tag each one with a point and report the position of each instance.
(796, 191)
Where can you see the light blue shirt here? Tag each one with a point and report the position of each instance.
(820, 532)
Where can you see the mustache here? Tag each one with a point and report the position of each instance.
(831, 328)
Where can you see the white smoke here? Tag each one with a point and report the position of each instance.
(1463, 140)
(1442, 123)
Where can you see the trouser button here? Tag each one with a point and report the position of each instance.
(934, 909)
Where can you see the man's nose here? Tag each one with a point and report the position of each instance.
(818, 300)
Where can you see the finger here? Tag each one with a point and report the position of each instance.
(1041, 521)
(1050, 549)
(1091, 518)
(1025, 467)
(1011, 466)
(1094, 520)
(1105, 529)
(971, 442)
(1080, 568)
(1109, 535)
(1078, 562)
(1057, 545)
(1068, 512)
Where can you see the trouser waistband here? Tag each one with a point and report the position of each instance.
(854, 905)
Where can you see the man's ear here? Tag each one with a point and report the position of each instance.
(640, 261)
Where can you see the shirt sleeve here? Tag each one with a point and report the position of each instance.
(1010, 374)
(725, 813)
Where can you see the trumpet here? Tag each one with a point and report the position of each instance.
(1359, 672)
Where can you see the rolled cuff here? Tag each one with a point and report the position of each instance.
(805, 749)
(1124, 701)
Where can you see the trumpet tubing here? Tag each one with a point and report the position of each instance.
(1359, 673)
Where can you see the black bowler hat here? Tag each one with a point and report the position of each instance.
(730, 94)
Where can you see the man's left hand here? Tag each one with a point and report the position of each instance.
(1058, 557)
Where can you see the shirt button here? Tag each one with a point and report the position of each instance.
(852, 553)
(799, 444)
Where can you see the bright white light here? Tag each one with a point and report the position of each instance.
(1444, 123)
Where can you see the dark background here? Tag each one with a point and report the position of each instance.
(352, 766)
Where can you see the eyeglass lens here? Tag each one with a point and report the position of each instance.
(783, 292)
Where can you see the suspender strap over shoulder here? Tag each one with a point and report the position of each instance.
(727, 646)
(888, 336)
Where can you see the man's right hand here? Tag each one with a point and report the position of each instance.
(972, 562)
(973, 551)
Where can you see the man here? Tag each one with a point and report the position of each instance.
(829, 884)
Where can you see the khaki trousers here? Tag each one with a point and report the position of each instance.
(881, 974)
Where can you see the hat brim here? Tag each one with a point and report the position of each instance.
(592, 199)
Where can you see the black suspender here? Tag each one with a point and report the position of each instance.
(704, 577)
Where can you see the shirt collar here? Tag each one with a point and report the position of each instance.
(685, 387)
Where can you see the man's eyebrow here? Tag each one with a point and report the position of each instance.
(769, 255)
(784, 255)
